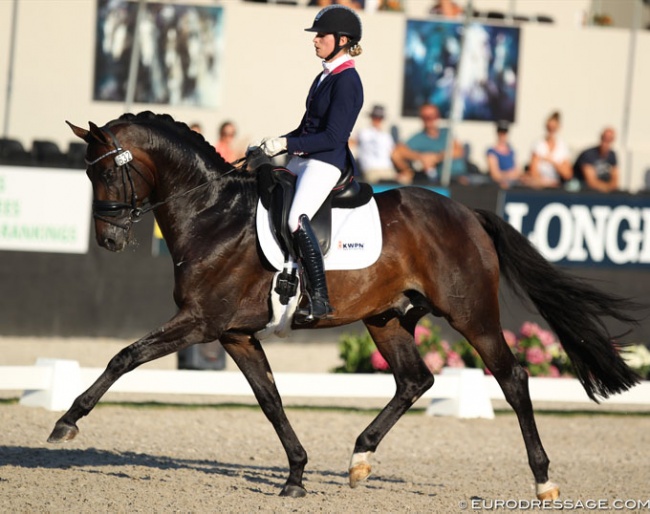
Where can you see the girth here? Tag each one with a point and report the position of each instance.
(277, 187)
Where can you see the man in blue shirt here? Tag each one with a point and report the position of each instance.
(597, 168)
(426, 150)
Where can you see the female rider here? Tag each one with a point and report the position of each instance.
(319, 146)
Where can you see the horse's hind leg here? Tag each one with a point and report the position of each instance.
(513, 379)
(178, 333)
(394, 340)
(249, 356)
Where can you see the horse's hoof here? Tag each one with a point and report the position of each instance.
(62, 432)
(548, 491)
(358, 473)
(293, 491)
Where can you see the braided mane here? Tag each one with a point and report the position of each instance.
(166, 123)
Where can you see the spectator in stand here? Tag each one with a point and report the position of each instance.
(374, 148)
(352, 4)
(446, 8)
(597, 167)
(425, 151)
(501, 161)
(225, 145)
(549, 163)
(196, 127)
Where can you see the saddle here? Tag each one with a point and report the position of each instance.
(277, 185)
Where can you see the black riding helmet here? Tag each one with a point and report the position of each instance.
(338, 20)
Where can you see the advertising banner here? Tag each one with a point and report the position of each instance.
(44, 210)
(489, 74)
(586, 229)
(179, 53)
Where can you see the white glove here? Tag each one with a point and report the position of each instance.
(274, 145)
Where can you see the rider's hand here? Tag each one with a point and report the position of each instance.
(274, 146)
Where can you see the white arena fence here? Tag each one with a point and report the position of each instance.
(466, 393)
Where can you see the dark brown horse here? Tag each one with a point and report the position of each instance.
(438, 257)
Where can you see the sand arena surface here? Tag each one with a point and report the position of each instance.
(184, 457)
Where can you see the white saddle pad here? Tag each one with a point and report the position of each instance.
(356, 238)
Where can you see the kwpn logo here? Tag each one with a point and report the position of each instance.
(350, 246)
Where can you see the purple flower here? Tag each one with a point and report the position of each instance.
(378, 362)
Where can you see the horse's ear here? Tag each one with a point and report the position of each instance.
(79, 132)
(97, 133)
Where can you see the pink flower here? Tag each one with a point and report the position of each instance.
(535, 356)
(553, 372)
(445, 345)
(378, 362)
(421, 333)
(434, 362)
(454, 360)
(510, 337)
(547, 338)
(529, 329)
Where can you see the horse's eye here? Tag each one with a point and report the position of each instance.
(108, 174)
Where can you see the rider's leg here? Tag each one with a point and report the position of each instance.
(315, 181)
(312, 262)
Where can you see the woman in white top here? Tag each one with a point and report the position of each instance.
(549, 164)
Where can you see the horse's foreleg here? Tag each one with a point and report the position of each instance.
(396, 344)
(176, 334)
(249, 356)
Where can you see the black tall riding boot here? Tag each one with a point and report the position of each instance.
(311, 259)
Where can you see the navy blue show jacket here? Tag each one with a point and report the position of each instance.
(331, 111)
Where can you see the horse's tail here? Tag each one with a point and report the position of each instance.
(572, 308)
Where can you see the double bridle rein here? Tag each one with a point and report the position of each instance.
(107, 210)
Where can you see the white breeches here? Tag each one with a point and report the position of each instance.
(315, 181)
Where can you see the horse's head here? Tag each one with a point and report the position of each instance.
(121, 177)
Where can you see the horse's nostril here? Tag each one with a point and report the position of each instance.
(109, 244)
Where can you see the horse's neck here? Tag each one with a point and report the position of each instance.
(202, 204)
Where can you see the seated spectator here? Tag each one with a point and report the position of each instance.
(374, 146)
(352, 4)
(387, 5)
(426, 149)
(225, 144)
(597, 167)
(446, 8)
(549, 163)
(196, 127)
(502, 165)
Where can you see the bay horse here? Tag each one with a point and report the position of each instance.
(438, 257)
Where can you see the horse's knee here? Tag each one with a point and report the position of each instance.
(412, 388)
(426, 383)
(122, 362)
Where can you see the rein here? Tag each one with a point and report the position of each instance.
(104, 210)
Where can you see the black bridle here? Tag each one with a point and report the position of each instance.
(107, 210)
